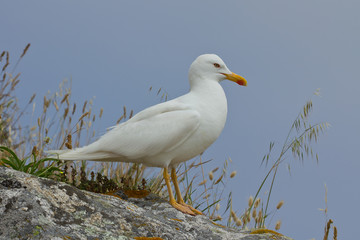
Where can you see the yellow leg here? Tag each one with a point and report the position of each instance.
(176, 185)
(173, 203)
(180, 200)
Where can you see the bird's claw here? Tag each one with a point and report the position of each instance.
(183, 208)
(197, 212)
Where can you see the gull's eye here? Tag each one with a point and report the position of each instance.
(216, 65)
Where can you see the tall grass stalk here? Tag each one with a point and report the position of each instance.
(299, 141)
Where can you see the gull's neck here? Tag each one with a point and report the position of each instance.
(208, 98)
(201, 85)
(208, 94)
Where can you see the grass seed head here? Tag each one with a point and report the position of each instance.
(68, 143)
(25, 50)
(278, 225)
(207, 196)
(32, 98)
(101, 112)
(217, 207)
(279, 205)
(257, 202)
(35, 151)
(238, 222)
(73, 109)
(2, 54)
(64, 98)
(254, 213)
(211, 176)
(219, 180)
(84, 115)
(56, 106)
(124, 111)
(66, 111)
(233, 214)
(84, 107)
(251, 200)
(327, 228)
(203, 182)
(46, 140)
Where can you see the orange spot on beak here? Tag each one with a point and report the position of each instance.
(236, 78)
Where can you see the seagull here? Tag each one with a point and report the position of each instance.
(169, 133)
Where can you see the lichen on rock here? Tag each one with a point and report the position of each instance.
(39, 208)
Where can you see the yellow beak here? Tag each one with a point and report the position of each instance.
(236, 78)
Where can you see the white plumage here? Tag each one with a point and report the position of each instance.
(172, 132)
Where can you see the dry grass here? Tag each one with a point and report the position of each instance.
(328, 228)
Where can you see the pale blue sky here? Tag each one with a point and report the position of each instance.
(116, 50)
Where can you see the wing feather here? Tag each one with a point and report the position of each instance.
(150, 136)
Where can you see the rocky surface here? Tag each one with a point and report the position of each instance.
(38, 208)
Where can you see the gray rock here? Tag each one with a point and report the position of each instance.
(39, 208)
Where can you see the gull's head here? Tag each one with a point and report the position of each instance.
(212, 67)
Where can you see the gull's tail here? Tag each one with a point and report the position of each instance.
(81, 154)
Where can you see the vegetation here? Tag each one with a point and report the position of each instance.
(33, 166)
(56, 128)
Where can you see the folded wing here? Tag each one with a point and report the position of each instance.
(158, 129)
